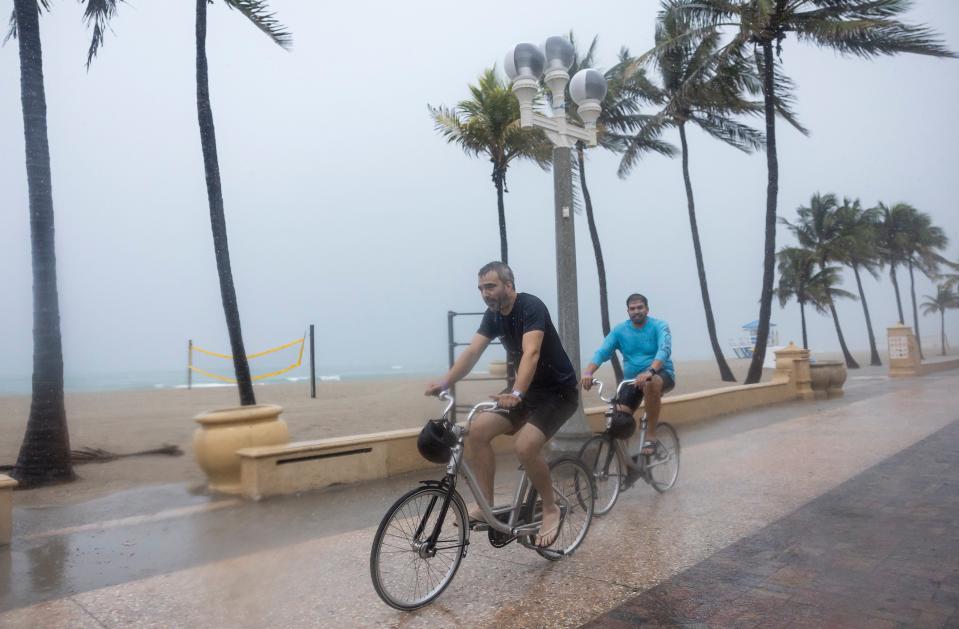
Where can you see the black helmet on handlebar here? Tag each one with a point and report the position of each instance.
(436, 441)
(621, 425)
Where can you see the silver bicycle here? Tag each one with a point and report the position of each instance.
(424, 536)
(606, 456)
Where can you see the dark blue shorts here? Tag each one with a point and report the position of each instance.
(631, 396)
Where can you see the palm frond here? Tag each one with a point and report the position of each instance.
(645, 141)
(733, 133)
(97, 15)
(869, 37)
(258, 12)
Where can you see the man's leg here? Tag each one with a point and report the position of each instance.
(479, 453)
(653, 393)
(529, 450)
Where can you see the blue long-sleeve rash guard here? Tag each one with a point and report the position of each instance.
(639, 346)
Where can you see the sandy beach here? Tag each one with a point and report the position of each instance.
(129, 421)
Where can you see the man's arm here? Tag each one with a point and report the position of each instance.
(463, 364)
(664, 342)
(532, 342)
(604, 353)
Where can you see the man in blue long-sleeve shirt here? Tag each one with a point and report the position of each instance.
(646, 345)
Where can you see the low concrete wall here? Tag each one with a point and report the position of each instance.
(7, 485)
(934, 366)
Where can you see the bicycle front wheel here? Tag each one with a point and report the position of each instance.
(662, 467)
(575, 496)
(406, 573)
(600, 456)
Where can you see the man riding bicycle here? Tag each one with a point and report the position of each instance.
(646, 345)
(539, 401)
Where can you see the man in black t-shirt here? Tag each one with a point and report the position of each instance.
(541, 399)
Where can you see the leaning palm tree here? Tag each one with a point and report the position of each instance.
(259, 14)
(710, 100)
(862, 28)
(821, 230)
(488, 124)
(925, 241)
(944, 300)
(799, 279)
(859, 251)
(44, 455)
(620, 116)
(892, 233)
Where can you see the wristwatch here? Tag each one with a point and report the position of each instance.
(652, 371)
(517, 394)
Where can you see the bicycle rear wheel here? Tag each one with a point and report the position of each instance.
(405, 574)
(599, 455)
(662, 467)
(575, 496)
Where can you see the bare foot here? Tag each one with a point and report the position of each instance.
(549, 530)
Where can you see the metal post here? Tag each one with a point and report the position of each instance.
(571, 436)
(312, 364)
(189, 364)
(452, 356)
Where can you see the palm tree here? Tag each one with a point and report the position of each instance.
(708, 100)
(620, 116)
(821, 230)
(488, 124)
(44, 455)
(925, 240)
(892, 240)
(860, 28)
(859, 250)
(943, 300)
(799, 279)
(259, 14)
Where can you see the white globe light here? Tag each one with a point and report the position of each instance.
(559, 53)
(524, 60)
(586, 85)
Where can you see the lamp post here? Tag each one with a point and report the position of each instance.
(525, 64)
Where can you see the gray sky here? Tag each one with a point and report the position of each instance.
(345, 209)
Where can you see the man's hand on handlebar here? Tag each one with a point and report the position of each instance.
(587, 382)
(505, 400)
(435, 388)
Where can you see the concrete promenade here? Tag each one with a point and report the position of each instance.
(837, 512)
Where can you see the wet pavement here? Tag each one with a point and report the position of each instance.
(751, 486)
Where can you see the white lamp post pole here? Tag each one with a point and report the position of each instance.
(524, 65)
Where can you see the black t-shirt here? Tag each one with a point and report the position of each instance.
(554, 370)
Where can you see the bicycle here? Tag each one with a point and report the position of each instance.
(423, 537)
(606, 455)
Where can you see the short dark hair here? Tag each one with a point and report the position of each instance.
(502, 271)
(637, 297)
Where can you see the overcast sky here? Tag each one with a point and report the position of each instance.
(345, 208)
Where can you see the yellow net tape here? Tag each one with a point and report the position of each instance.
(299, 361)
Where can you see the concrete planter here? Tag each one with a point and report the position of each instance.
(827, 378)
(223, 432)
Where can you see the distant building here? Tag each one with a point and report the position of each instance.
(744, 345)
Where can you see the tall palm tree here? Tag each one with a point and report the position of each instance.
(44, 454)
(925, 241)
(621, 115)
(944, 300)
(862, 28)
(488, 124)
(859, 250)
(709, 100)
(259, 14)
(820, 229)
(893, 241)
(799, 279)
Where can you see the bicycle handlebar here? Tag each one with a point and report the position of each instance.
(619, 389)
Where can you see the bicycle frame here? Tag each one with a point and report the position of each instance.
(619, 445)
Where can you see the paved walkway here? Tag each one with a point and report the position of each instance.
(165, 557)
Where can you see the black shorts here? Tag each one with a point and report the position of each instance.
(631, 396)
(548, 410)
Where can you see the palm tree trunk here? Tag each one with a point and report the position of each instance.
(942, 331)
(499, 175)
(217, 217)
(873, 350)
(802, 317)
(772, 192)
(850, 361)
(598, 253)
(724, 371)
(915, 311)
(895, 284)
(44, 455)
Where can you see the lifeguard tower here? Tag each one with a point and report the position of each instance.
(743, 346)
